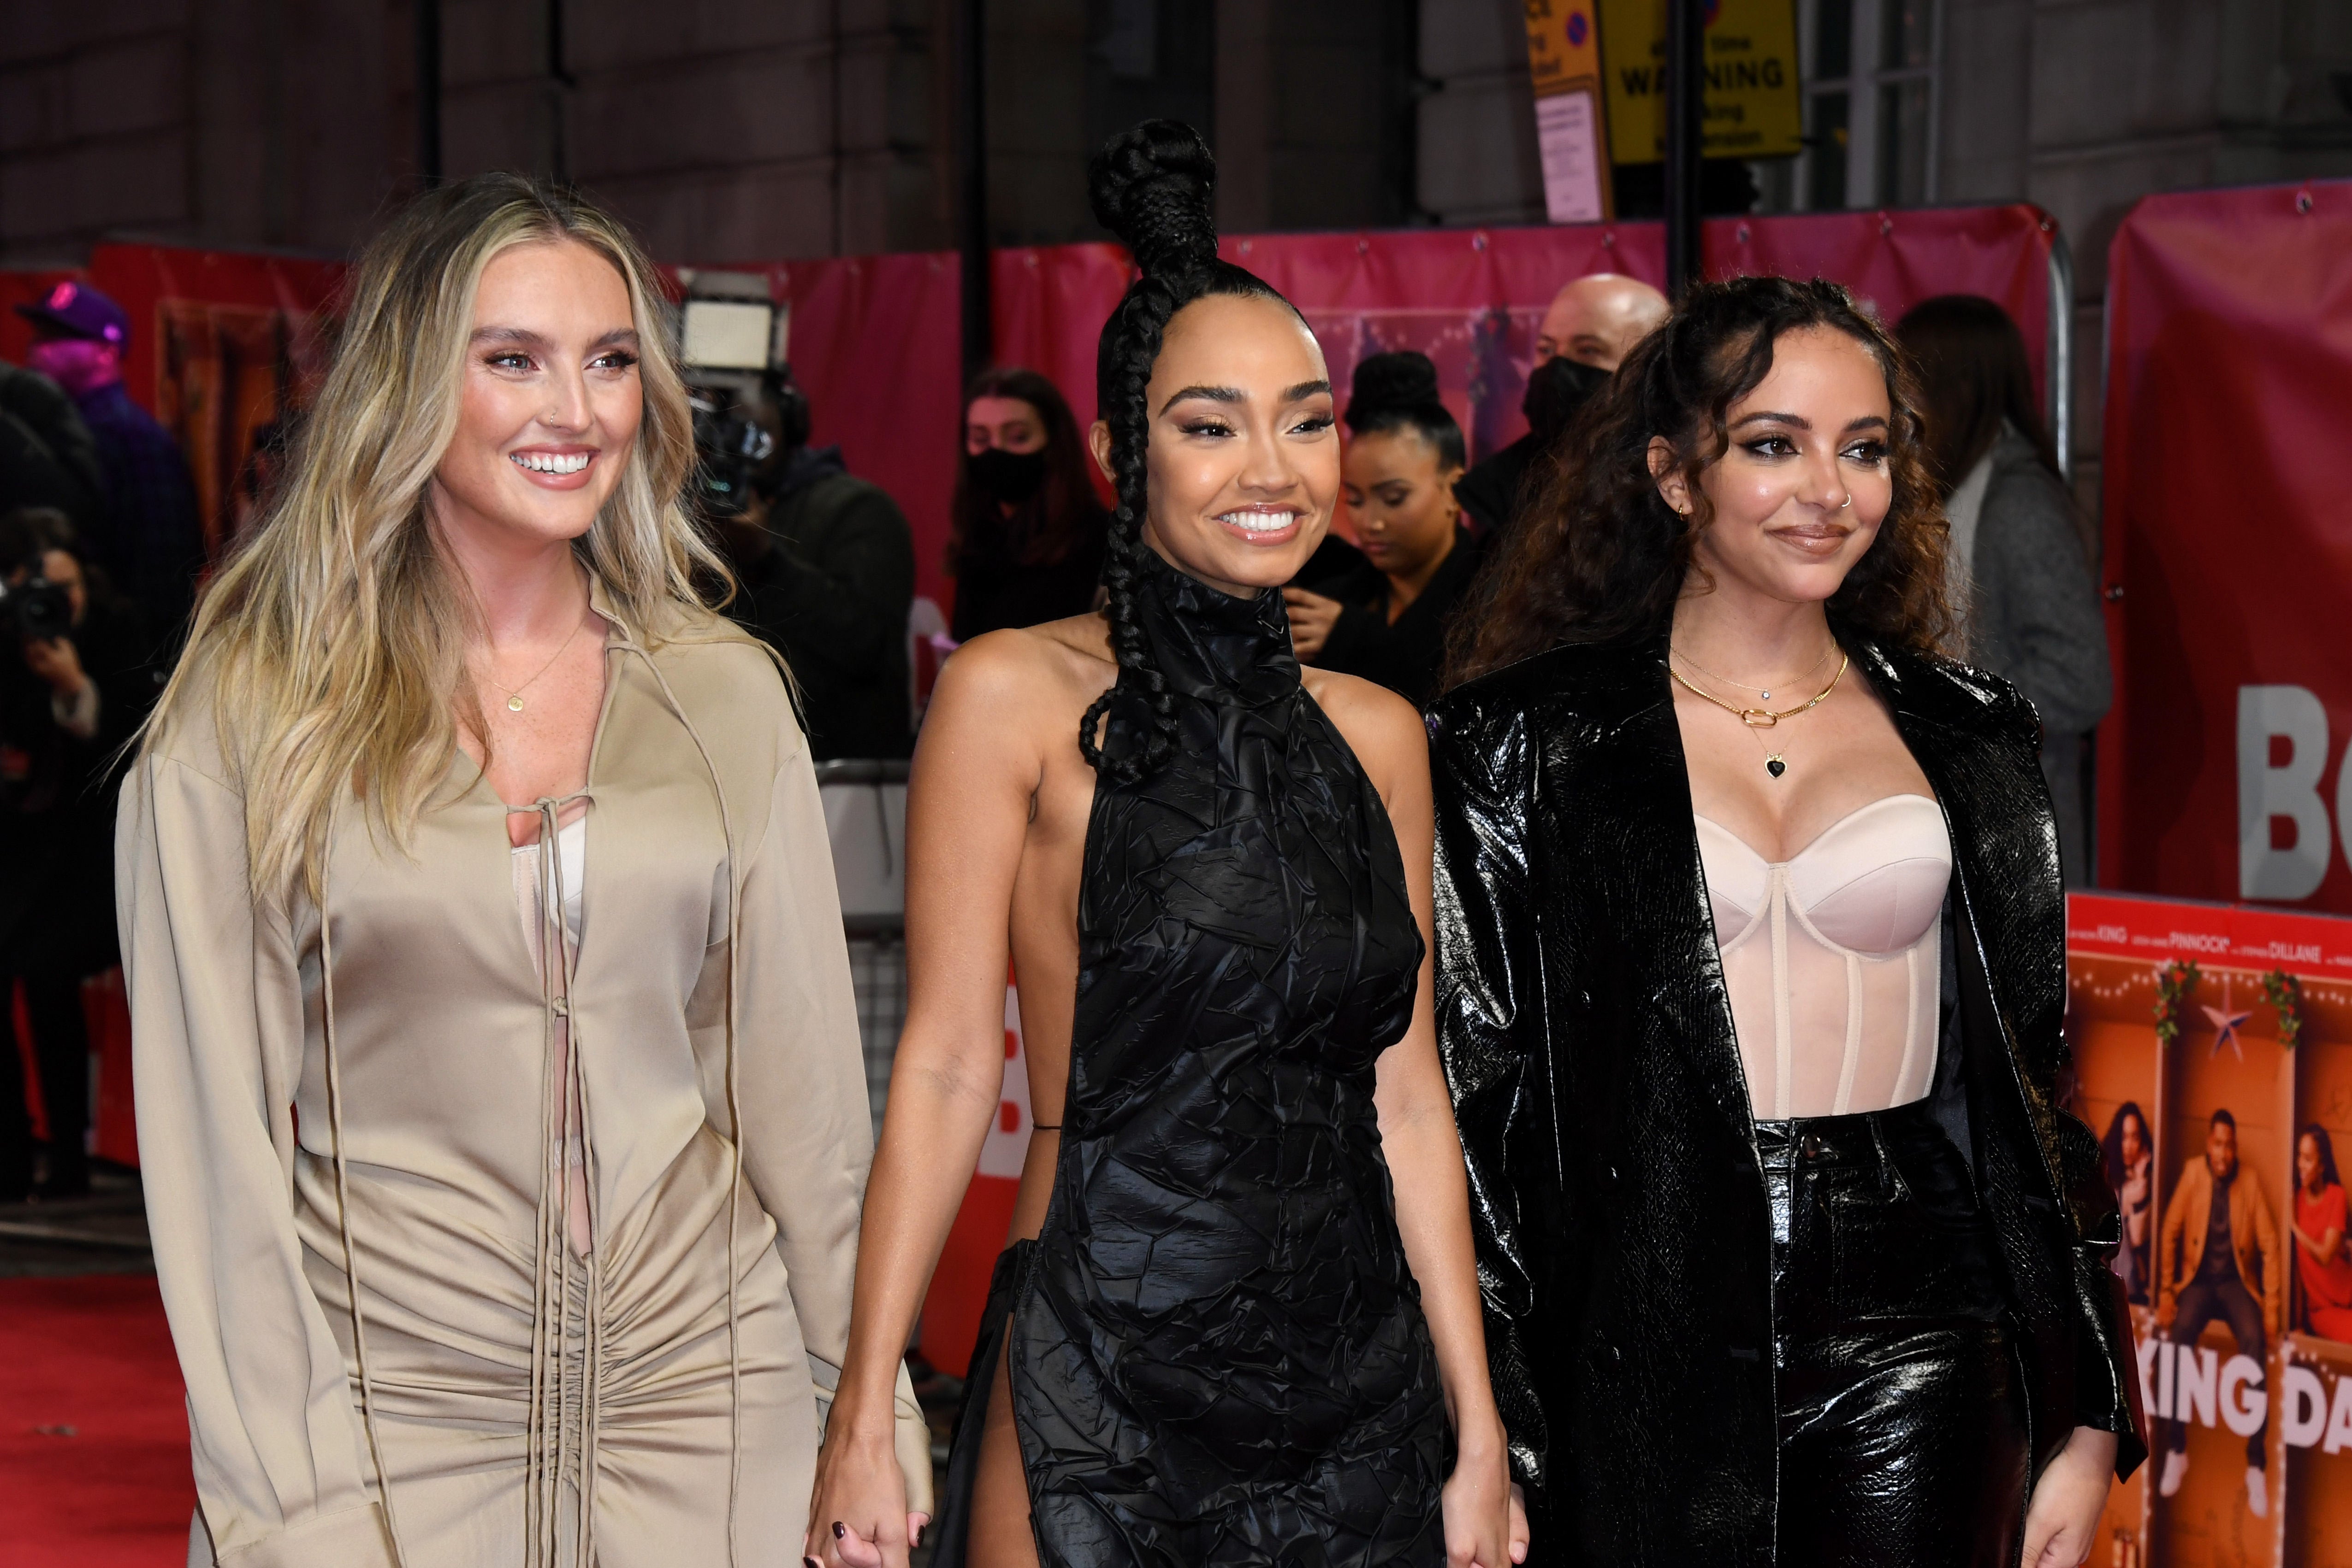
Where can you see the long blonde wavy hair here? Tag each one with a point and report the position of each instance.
(331, 644)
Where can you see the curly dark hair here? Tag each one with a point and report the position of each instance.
(1152, 187)
(2112, 1146)
(1601, 557)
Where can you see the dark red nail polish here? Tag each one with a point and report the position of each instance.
(840, 1530)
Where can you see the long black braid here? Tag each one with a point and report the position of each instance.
(1152, 187)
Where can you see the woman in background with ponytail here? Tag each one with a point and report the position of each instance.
(1026, 542)
(1226, 1336)
(1386, 619)
(500, 1100)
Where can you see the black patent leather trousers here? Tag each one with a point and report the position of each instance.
(1902, 1412)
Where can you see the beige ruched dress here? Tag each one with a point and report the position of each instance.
(523, 1383)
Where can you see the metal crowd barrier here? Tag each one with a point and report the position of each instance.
(865, 819)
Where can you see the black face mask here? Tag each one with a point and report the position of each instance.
(1008, 478)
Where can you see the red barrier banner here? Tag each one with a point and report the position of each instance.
(2258, 1057)
(874, 340)
(2229, 546)
(1472, 299)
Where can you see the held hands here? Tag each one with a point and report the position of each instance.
(1312, 616)
(2063, 1519)
(857, 1513)
(1485, 1516)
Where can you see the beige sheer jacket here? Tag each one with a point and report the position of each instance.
(687, 1407)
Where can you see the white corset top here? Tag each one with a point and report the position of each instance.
(1832, 959)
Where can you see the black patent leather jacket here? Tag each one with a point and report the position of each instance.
(1616, 1191)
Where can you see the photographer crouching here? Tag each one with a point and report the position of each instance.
(74, 685)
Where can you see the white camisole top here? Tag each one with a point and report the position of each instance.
(1832, 959)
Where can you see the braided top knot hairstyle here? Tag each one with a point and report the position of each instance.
(1152, 187)
(1398, 391)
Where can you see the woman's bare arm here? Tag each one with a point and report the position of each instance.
(1424, 1150)
(968, 808)
(2324, 1248)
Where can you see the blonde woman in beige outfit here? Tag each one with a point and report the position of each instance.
(475, 893)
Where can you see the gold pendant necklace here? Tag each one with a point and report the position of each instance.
(1762, 693)
(1776, 763)
(514, 693)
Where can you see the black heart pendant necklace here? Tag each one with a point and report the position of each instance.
(1776, 763)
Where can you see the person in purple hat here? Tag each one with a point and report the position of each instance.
(149, 534)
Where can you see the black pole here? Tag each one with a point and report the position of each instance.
(1685, 139)
(560, 80)
(428, 93)
(971, 157)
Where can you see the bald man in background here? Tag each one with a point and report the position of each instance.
(1591, 325)
(1597, 319)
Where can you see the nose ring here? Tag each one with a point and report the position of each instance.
(1847, 502)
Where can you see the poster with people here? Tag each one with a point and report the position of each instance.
(2213, 1054)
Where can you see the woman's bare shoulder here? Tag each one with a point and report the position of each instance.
(1041, 675)
(1383, 729)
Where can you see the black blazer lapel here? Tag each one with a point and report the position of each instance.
(1643, 849)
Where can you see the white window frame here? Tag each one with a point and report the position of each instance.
(1863, 90)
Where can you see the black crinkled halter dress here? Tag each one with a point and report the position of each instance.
(1218, 1354)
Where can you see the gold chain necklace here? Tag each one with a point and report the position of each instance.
(1765, 692)
(1775, 763)
(514, 693)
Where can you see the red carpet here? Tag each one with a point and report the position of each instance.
(92, 1354)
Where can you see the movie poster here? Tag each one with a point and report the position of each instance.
(2214, 1057)
(230, 380)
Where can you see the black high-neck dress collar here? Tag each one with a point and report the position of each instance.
(1212, 645)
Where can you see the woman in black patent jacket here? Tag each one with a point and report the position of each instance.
(1719, 1334)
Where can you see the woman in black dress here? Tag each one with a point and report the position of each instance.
(1752, 976)
(1233, 1340)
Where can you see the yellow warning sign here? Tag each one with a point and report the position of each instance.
(1752, 107)
(1563, 46)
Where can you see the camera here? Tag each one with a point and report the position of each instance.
(730, 445)
(36, 608)
(733, 338)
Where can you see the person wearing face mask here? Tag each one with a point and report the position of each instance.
(1386, 619)
(1591, 324)
(149, 534)
(1495, 493)
(73, 687)
(1027, 540)
(501, 1108)
(1751, 987)
(1240, 1322)
(1596, 319)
